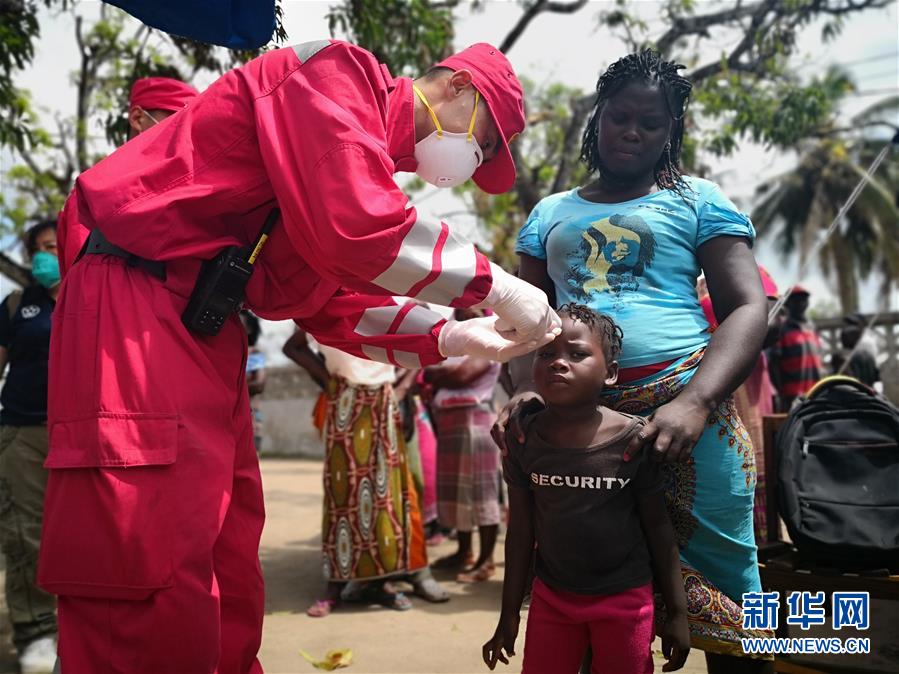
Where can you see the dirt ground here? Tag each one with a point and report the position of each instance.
(444, 638)
(429, 639)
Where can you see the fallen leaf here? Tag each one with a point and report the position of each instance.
(332, 660)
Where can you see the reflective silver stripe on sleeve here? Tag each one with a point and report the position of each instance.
(376, 320)
(408, 360)
(413, 259)
(457, 269)
(306, 50)
(419, 321)
(376, 353)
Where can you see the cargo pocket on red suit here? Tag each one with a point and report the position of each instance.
(109, 511)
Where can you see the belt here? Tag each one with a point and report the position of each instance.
(629, 374)
(97, 244)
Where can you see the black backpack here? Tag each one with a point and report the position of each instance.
(838, 476)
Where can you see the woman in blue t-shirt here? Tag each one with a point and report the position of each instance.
(631, 244)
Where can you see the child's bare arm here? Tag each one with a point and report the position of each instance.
(519, 555)
(663, 548)
(519, 548)
(662, 543)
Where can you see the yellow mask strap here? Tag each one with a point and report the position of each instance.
(430, 110)
(474, 114)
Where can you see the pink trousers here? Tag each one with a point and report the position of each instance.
(561, 625)
(154, 506)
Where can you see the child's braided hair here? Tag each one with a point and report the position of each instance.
(645, 66)
(600, 324)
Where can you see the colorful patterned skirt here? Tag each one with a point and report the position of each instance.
(710, 501)
(468, 464)
(752, 419)
(372, 524)
(427, 449)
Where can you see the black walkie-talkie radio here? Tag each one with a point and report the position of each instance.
(219, 291)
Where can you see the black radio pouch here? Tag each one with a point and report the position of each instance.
(221, 284)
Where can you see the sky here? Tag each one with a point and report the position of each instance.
(570, 49)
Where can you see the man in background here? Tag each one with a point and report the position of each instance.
(796, 364)
(861, 362)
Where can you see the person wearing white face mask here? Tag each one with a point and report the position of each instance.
(316, 132)
(446, 158)
(456, 139)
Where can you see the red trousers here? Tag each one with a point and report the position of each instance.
(561, 626)
(154, 506)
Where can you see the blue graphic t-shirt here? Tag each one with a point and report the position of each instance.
(636, 261)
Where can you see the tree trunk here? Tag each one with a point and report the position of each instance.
(14, 271)
(847, 281)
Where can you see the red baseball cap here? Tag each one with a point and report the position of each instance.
(493, 77)
(799, 290)
(161, 93)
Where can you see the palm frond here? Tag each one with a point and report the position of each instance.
(886, 108)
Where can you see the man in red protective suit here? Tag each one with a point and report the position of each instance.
(152, 100)
(154, 503)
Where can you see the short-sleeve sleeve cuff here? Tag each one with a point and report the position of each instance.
(720, 222)
(513, 474)
(529, 242)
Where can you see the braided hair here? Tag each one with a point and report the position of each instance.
(601, 325)
(646, 66)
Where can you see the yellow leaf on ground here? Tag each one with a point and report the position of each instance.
(332, 660)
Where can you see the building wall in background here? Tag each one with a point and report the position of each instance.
(287, 405)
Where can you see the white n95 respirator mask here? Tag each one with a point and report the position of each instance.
(445, 158)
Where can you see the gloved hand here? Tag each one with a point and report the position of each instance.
(478, 337)
(524, 312)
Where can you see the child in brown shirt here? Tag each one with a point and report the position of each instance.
(599, 522)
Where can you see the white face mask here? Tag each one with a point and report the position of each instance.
(447, 159)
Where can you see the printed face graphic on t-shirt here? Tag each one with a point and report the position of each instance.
(614, 252)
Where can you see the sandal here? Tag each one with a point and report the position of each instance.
(321, 608)
(430, 590)
(478, 575)
(398, 601)
(453, 562)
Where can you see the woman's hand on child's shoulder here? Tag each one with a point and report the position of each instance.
(503, 640)
(509, 420)
(675, 642)
(671, 432)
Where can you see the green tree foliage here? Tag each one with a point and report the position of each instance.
(18, 29)
(777, 113)
(406, 34)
